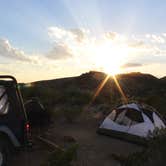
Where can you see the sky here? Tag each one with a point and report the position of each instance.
(47, 39)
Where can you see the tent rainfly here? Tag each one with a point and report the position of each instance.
(136, 120)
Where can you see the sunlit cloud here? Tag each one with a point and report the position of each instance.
(59, 33)
(130, 52)
(67, 35)
(137, 44)
(131, 65)
(80, 34)
(105, 48)
(60, 51)
(8, 51)
(156, 38)
(111, 35)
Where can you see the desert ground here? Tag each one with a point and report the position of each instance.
(93, 149)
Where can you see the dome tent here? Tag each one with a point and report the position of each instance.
(134, 120)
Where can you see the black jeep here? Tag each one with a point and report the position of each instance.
(14, 127)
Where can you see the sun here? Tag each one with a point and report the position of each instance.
(110, 57)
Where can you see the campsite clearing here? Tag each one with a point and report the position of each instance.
(93, 149)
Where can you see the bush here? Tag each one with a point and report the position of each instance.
(77, 96)
(151, 156)
(62, 157)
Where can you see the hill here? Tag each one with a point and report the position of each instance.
(80, 90)
(132, 84)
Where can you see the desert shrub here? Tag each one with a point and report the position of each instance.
(50, 96)
(70, 101)
(77, 96)
(157, 101)
(47, 96)
(153, 155)
(62, 157)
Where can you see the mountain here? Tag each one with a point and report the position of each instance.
(132, 83)
(163, 80)
(81, 90)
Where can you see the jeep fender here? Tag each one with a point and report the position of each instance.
(5, 130)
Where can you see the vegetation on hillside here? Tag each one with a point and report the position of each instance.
(79, 91)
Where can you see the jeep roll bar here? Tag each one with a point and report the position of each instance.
(8, 77)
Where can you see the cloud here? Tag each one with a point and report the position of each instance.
(156, 38)
(111, 35)
(66, 42)
(66, 35)
(59, 51)
(84, 46)
(8, 51)
(58, 33)
(136, 44)
(79, 34)
(131, 65)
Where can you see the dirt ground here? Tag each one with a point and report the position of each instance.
(94, 149)
(34, 157)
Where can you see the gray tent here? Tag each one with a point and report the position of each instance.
(133, 119)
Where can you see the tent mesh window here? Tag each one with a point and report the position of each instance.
(118, 111)
(126, 117)
(122, 119)
(4, 104)
(135, 116)
(149, 114)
